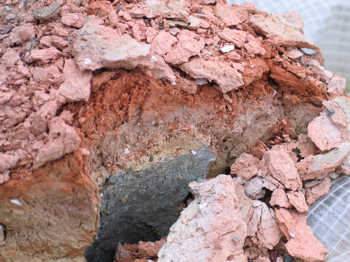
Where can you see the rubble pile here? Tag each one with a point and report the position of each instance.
(94, 94)
(298, 173)
(295, 177)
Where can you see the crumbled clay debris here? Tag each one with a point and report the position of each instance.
(233, 49)
(217, 221)
(155, 49)
(289, 206)
(301, 241)
(316, 169)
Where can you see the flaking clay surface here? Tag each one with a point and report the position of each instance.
(93, 89)
(329, 219)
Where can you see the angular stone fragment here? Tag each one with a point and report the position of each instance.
(10, 58)
(73, 19)
(294, 53)
(246, 166)
(280, 31)
(262, 227)
(324, 133)
(156, 67)
(119, 54)
(253, 46)
(219, 72)
(316, 192)
(189, 44)
(301, 241)
(238, 37)
(304, 167)
(279, 198)
(337, 85)
(151, 33)
(63, 139)
(97, 46)
(145, 202)
(8, 161)
(208, 2)
(297, 200)
(231, 14)
(316, 167)
(325, 163)
(56, 41)
(338, 110)
(271, 183)
(44, 55)
(22, 33)
(47, 75)
(76, 86)
(212, 220)
(293, 19)
(175, 9)
(194, 22)
(283, 169)
(162, 43)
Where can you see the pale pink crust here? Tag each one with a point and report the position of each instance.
(189, 44)
(262, 227)
(301, 241)
(237, 37)
(283, 169)
(22, 33)
(324, 133)
(44, 56)
(297, 200)
(279, 198)
(174, 37)
(73, 20)
(246, 166)
(163, 43)
(76, 85)
(337, 85)
(222, 223)
(316, 192)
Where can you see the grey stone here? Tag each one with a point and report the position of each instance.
(255, 188)
(142, 205)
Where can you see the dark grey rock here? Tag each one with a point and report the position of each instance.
(142, 205)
